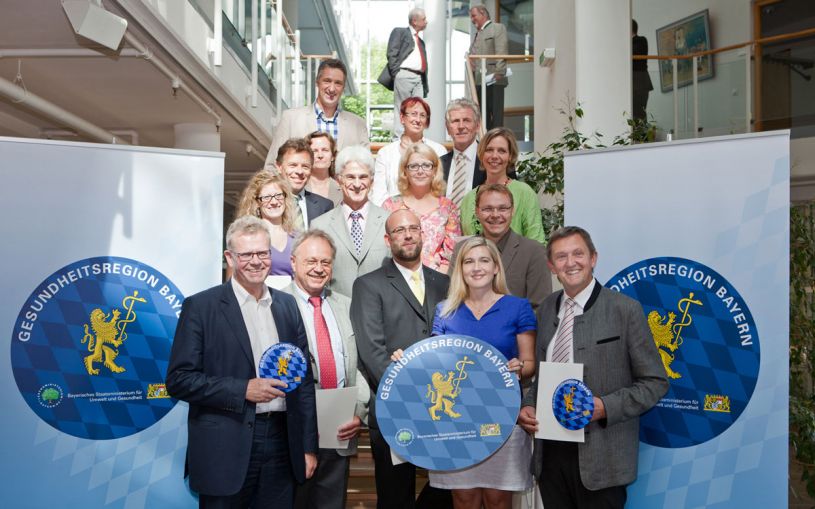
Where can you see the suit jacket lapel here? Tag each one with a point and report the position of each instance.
(341, 231)
(510, 249)
(479, 176)
(312, 342)
(342, 316)
(232, 312)
(376, 216)
(282, 322)
(398, 282)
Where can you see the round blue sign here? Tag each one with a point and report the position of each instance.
(449, 403)
(283, 361)
(708, 344)
(91, 347)
(573, 404)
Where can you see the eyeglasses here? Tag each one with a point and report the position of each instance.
(247, 257)
(503, 209)
(416, 114)
(414, 229)
(266, 198)
(311, 263)
(417, 167)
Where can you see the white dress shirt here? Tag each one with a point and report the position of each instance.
(408, 274)
(346, 213)
(300, 201)
(257, 316)
(580, 304)
(337, 346)
(414, 60)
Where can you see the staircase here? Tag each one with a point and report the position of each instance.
(361, 485)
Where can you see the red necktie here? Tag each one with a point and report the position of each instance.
(328, 370)
(421, 53)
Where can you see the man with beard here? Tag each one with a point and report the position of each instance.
(392, 308)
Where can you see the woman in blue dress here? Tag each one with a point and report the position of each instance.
(478, 304)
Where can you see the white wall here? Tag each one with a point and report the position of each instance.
(722, 103)
(554, 28)
(603, 65)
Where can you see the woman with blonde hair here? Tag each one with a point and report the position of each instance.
(478, 304)
(269, 197)
(422, 187)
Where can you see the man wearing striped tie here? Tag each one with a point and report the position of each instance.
(462, 170)
(606, 332)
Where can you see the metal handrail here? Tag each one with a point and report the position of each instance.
(470, 79)
(763, 40)
(748, 95)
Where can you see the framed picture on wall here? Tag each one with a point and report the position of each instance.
(684, 37)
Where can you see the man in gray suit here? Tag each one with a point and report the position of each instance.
(324, 115)
(392, 308)
(357, 226)
(606, 332)
(522, 257)
(490, 39)
(406, 71)
(333, 356)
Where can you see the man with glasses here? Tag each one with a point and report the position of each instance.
(392, 308)
(356, 225)
(294, 160)
(248, 439)
(325, 115)
(333, 361)
(526, 274)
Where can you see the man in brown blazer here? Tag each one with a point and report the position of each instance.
(523, 258)
(490, 39)
(324, 115)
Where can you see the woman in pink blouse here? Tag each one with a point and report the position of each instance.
(422, 186)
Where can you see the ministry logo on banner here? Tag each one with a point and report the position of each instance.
(449, 403)
(707, 341)
(91, 347)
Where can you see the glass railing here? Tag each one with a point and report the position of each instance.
(262, 43)
(716, 104)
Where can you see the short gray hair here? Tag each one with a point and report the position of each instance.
(355, 154)
(246, 225)
(482, 9)
(460, 104)
(314, 233)
(415, 13)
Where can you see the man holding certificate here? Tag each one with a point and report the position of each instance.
(333, 359)
(606, 332)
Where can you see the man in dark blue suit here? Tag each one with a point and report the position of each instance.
(248, 440)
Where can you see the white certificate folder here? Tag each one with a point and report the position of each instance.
(335, 407)
(550, 376)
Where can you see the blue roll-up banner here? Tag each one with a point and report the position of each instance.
(100, 246)
(449, 403)
(698, 232)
